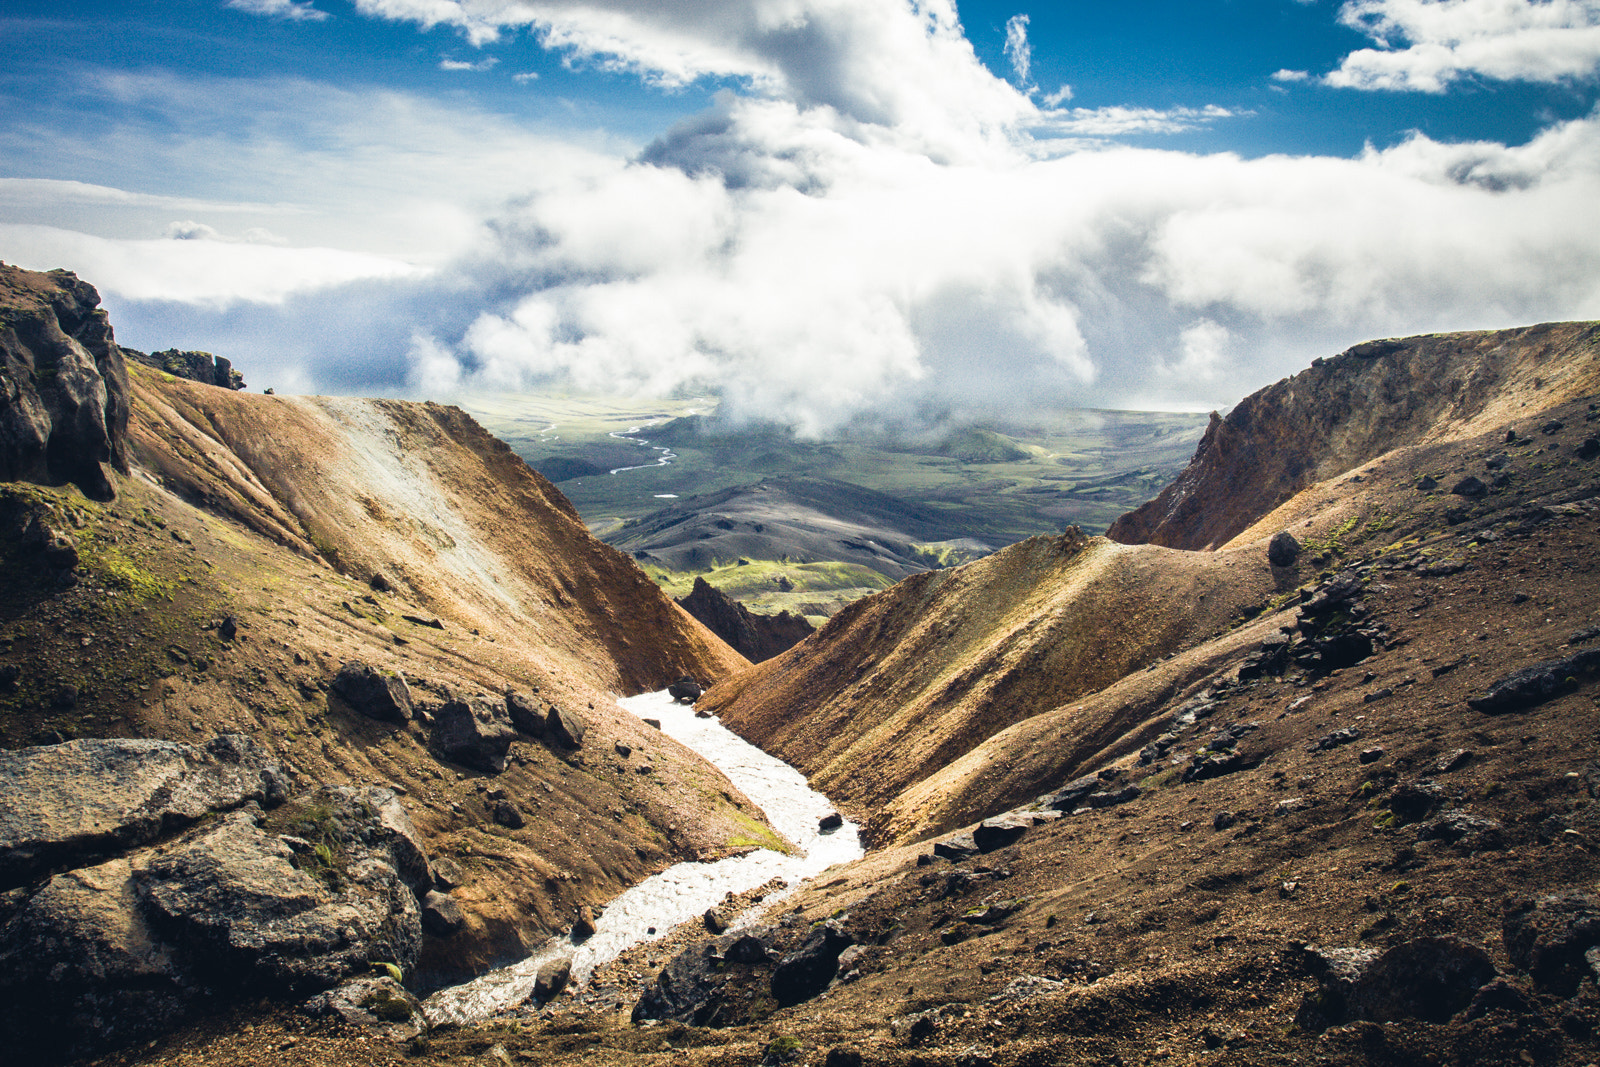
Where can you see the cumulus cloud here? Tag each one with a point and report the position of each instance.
(1017, 48)
(1424, 45)
(901, 64)
(864, 223)
(293, 10)
(486, 63)
(815, 274)
(1287, 75)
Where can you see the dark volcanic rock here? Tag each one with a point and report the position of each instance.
(1283, 550)
(441, 915)
(73, 802)
(1468, 832)
(1548, 937)
(685, 690)
(200, 367)
(524, 713)
(63, 384)
(830, 822)
(102, 955)
(1429, 978)
(1536, 683)
(373, 693)
(1000, 831)
(1470, 486)
(756, 637)
(807, 971)
(474, 734)
(956, 848)
(565, 727)
(551, 978)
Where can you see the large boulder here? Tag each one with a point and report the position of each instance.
(1537, 683)
(807, 971)
(1283, 550)
(1428, 978)
(373, 693)
(259, 915)
(473, 733)
(693, 985)
(280, 903)
(1549, 936)
(80, 801)
(63, 384)
(565, 728)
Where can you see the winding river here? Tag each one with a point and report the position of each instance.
(683, 891)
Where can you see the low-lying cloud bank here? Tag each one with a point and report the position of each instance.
(871, 224)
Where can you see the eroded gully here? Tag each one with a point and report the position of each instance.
(683, 891)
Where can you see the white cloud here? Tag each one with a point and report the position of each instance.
(1425, 45)
(1121, 121)
(1202, 351)
(293, 10)
(486, 63)
(1291, 76)
(835, 275)
(190, 230)
(1017, 48)
(1059, 97)
(525, 77)
(897, 64)
(872, 223)
(194, 269)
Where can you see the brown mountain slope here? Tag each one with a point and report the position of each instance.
(894, 708)
(1343, 411)
(902, 684)
(278, 514)
(1350, 865)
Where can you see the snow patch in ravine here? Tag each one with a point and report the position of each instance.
(683, 891)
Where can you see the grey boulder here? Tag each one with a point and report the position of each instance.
(79, 801)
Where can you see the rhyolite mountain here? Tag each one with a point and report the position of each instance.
(1297, 768)
(373, 597)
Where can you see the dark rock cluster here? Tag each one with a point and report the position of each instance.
(200, 367)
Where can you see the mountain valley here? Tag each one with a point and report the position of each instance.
(1296, 764)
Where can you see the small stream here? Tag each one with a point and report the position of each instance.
(685, 890)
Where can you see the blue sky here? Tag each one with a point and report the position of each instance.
(825, 209)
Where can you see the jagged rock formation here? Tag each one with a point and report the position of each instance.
(202, 367)
(755, 637)
(1341, 412)
(63, 384)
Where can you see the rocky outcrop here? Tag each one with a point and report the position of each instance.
(374, 693)
(97, 797)
(756, 637)
(202, 367)
(1344, 411)
(473, 733)
(275, 903)
(63, 384)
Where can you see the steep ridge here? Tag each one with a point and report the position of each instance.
(888, 707)
(898, 686)
(1343, 411)
(260, 544)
